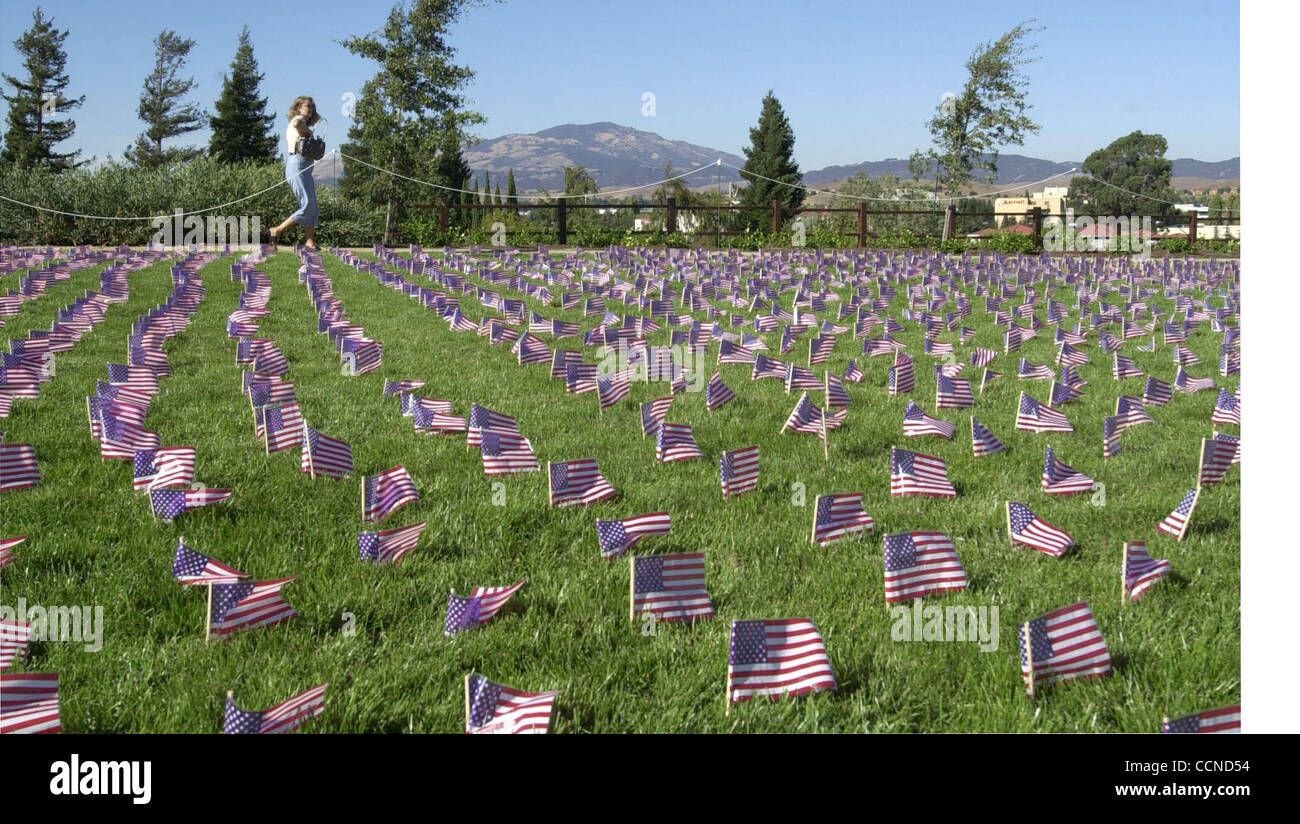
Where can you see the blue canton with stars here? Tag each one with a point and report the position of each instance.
(188, 562)
(612, 535)
(559, 476)
(1021, 517)
(168, 503)
(903, 462)
(241, 722)
(462, 614)
(749, 642)
(226, 596)
(368, 545)
(484, 697)
(900, 551)
(1191, 723)
(649, 574)
(1038, 641)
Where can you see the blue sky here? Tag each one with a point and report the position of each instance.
(857, 80)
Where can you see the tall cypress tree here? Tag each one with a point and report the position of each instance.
(32, 131)
(242, 128)
(770, 154)
(512, 194)
(162, 109)
(451, 170)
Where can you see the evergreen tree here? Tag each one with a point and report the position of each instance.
(162, 108)
(512, 194)
(477, 214)
(497, 200)
(451, 170)
(487, 187)
(242, 130)
(32, 131)
(770, 154)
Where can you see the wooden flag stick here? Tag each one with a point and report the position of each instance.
(467, 677)
(550, 489)
(306, 448)
(207, 628)
(826, 441)
(631, 600)
(1123, 577)
(816, 508)
(363, 497)
(1011, 535)
(1029, 659)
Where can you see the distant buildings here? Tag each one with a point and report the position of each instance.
(1051, 200)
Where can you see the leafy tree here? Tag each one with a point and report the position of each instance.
(578, 181)
(412, 99)
(162, 108)
(1134, 163)
(770, 154)
(990, 113)
(242, 130)
(32, 132)
(676, 190)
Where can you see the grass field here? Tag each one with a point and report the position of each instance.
(92, 541)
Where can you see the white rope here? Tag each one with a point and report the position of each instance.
(168, 216)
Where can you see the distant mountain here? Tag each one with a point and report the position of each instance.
(619, 156)
(614, 155)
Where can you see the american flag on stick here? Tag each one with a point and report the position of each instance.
(916, 424)
(902, 375)
(161, 468)
(247, 605)
(323, 455)
(169, 504)
(1176, 522)
(7, 549)
(389, 545)
(839, 516)
(387, 492)
(1222, 720)
(854, 374)
(506, 454)
(280, 426)
(953, 393)
(1110, 432)
(1140, 571)
(1216, 458)
(398, 387)
(1184, 382)
(283, 717)
(492, 708)
(676, 442)
(577, 483)
(479, 608)
(1157, 392)
(1234, 445)
(1061, 646)
(193, 567)
(983, 441)
(1125, 368)
(1130, 411)
(1059, 478)
(612, 390)
(915, 474)
(670, 587)
(921, 564)
(1024, 527)
(1033, 416)
(617, 537)
(717, 394)
(777, 658)
(29, 703)
(1227, 410)
(739, 471)
(653, 414)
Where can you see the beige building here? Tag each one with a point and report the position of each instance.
(1051, 200)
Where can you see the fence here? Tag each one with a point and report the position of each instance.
(860, 223)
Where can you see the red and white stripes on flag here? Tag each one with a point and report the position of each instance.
(983, 441)
(670, 587)
(1027, 528)
(29, 703)
(1176, 522)
(323, 455)
(777, 658)
(1061, 646)
(578, 483)
(676, 442)
(7, 549)
(916, 474)
(249, 605)
(1222, 720)
(1141, 571)
(921, 564)
(13, 642)
(497, 708)
(838, 516)
(1059, 478)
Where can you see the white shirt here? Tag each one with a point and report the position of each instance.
(291, 134)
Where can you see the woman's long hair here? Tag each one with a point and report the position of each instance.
(298, 101)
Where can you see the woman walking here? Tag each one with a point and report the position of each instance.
(297, 170)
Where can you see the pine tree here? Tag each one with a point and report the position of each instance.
(162, 109)
(451, 170)
(497, 200)
(476, 215)
(770, 154)
(242, 129)
(487, 187)
(32, 132)
(512, 194)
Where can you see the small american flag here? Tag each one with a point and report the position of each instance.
(398, 387)
(988, 377)
(807, 417)
(578, 483)
(323, 455)
(389, 544)
(854, 374)
(161, 468)
(1131, 412)
(1176, 522)
(1064, 393)
(717, 394)
(1059, 478)
(729, 352)
(1061, 646)
(191, 567)
(838, 516)
(765, 367)
(531, 349)
(921, 564)
(676, 442)
(739, 470)
(1234, 445)
(916, 474)
(983, 441)
(284, 717)
(1227, 410)
(7, 549)
(168, 504)
(670, 587)
(819, 350)
(506, 454)
(1033, 371)
(1125, 368)
(1033, 416)
(496, 708)
(902, 375)
(798, 377)
(777, 658)
(953, 393)
(616, 537)
(13, 642)
(248, 605)
(1157, 392)
(1027, 528)
(1012, 339)
(982, 357)
(1185, 357)
(1222, 720)
(836, 395)
(479, 608)
(29, 703)
(916, 424)
(653, 414)
(612, 390)
(1141, 571)
(1184, 382)
(387, 492)
(1216, 458)
(1110, 444)
(1069, 354)
(281, 426)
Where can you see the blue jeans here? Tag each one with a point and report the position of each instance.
(298, 172)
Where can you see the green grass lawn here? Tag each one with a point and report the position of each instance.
(376, 633)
